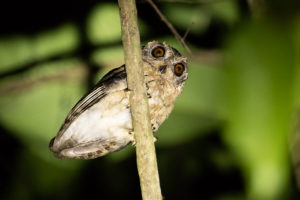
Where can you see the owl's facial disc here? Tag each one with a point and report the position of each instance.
(167, 61)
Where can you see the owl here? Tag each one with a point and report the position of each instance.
(101, 122)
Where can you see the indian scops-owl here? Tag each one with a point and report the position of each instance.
(101, 123)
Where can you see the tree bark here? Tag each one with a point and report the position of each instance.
(145, 149)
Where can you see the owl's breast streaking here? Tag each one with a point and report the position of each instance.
(162, 94)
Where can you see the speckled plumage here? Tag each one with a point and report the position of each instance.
(100, 122)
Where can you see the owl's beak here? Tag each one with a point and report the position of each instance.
(162, 69)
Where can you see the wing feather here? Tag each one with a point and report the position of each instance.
(100, 90)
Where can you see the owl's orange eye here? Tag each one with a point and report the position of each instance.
(158, 52)
(179, 69)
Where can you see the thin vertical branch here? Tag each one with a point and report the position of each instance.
(258, 8)
(145, 149)
(170, 26)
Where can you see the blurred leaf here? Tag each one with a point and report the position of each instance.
(103, 25)
(35, 113)
(202, 91)
(259, 76)
(56, 42)
(296, 36)
(21, 50)
(15, 51)
(182, 127)
(226, 11)
(109, 57)
(184, 15)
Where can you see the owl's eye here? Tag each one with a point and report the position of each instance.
(158, 52)
(179, 69)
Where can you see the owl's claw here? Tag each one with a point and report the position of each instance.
(153, 127)
(133, 142)
(147, 87)
(128, 92)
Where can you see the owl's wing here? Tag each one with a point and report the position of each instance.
(76, 137)
(100, 90)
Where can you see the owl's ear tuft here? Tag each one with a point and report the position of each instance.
(176, 52)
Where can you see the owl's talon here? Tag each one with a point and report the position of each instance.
(147, 87)
(127, 92)
(133, 140)
(133, 143)
(153, 127)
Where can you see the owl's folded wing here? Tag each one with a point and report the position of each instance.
(100, 90)
(85, 111)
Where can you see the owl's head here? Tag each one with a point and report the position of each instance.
(167, 60)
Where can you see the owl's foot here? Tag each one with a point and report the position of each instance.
(154, 127)
(147, 88)
(133, 142)
(127, 92)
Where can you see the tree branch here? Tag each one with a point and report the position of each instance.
(145, 149)
(170, 26)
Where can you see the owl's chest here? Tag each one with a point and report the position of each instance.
(162, 95)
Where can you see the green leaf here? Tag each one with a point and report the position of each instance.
(184, 16)
(103, 25)
(259, 77)
(35, 110)
(16, 51)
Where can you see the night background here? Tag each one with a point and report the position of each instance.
(234, 132)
